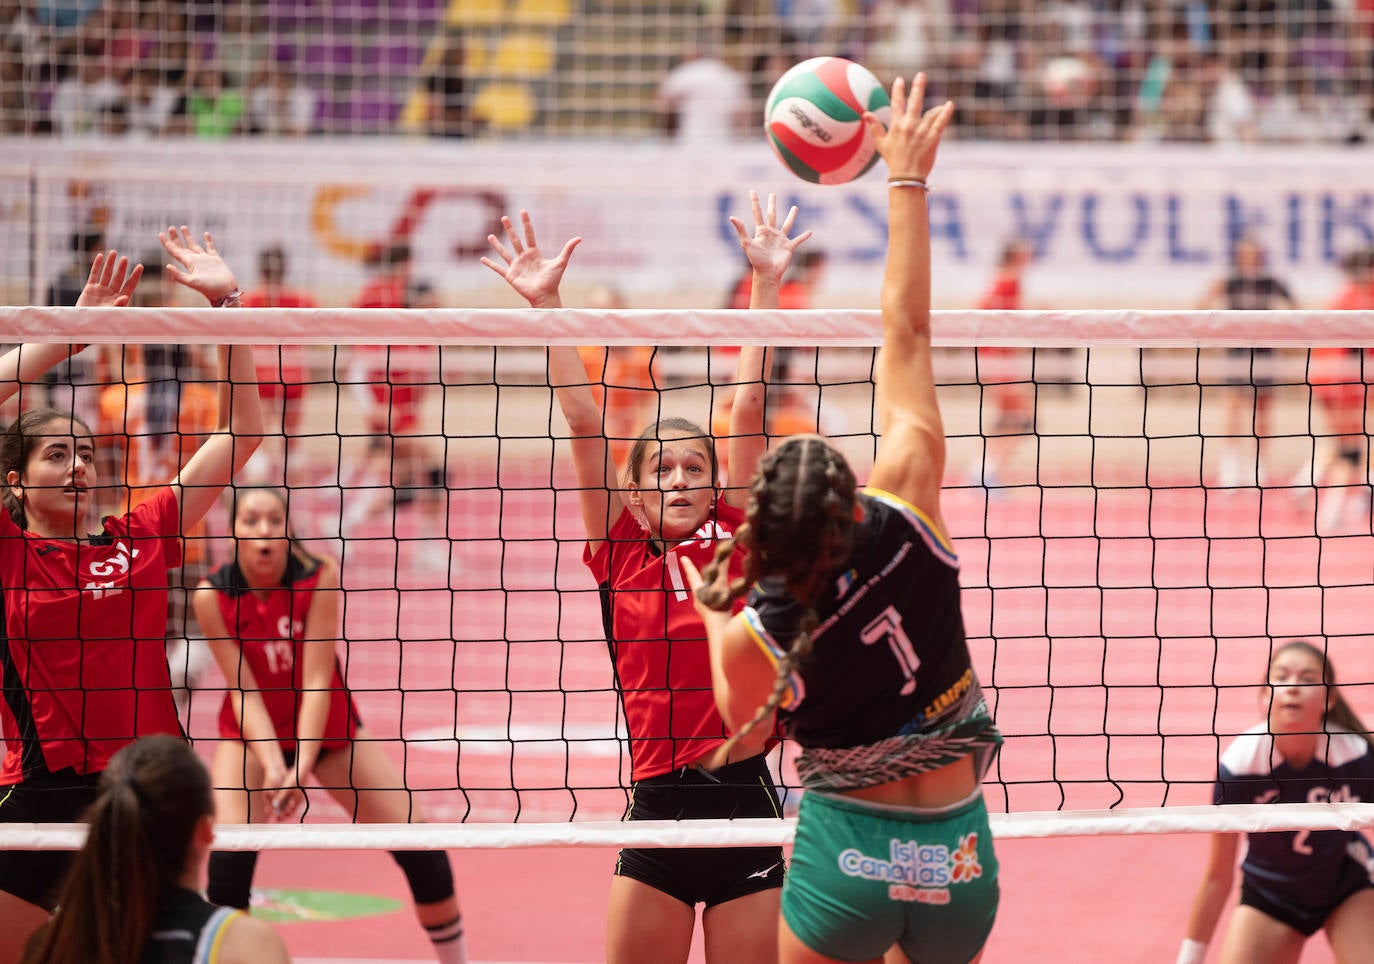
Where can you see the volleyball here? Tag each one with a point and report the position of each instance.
(814, 119)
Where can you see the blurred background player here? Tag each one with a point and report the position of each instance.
(1248, 286)
(272, 617)
(1340, 472)
(399, 466)
(283, 375)
(1006, 372)
(624, 378)
(1310, 747)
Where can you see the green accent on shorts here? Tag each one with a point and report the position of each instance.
(864, 877)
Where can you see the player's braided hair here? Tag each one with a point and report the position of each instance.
(799, 526)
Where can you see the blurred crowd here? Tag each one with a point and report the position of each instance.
(1230, 71)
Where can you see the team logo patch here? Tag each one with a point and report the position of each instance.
(917, 872)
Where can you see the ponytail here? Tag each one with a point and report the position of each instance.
(151, 797)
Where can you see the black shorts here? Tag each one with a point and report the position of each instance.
(61, 797)
(1305, 920)
(698, 875)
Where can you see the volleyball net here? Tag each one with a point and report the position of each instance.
(1144, 505)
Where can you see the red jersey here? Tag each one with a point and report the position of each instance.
(662, 662)
(279, 363)
(84, 657)
(269, 631)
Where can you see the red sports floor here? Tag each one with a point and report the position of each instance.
(1115, 629)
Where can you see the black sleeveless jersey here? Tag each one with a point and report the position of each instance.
(889, 683)
(187, 930)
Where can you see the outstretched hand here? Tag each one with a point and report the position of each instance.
(769, 249)
(909, 144)
(110, 284)
(198, 268)
(533, 276)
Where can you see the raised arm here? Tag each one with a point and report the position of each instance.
(239, 428)
(536, 279)
(769, 250)
(110, 285)
(910, 461)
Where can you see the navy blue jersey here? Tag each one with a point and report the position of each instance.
(1306, 868)
(888, 689)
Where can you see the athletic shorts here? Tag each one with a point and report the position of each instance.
(1305, 920)
(61, 797)
(697, 875)
(866, 876)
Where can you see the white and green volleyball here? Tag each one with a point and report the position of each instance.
(814, 119)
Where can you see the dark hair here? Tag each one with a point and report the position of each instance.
(272, 263)
(799, 527)
(284, 497)
(151, 798)
(1339, 711)
(664, 429)
(17, 445)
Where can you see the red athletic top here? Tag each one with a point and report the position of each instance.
(269, 632)
(84, 656)
(662, 662)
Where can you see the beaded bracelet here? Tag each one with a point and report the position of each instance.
(229, 300)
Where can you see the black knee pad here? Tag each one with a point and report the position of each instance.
(428, 873)
(231, 877)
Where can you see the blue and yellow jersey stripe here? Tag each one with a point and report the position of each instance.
(936, 541)
(796, 689)
(212, 935)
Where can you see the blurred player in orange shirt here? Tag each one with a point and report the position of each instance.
(1338, 377)
(624, 379)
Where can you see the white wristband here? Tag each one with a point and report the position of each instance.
(231, 300)
(1192, 952)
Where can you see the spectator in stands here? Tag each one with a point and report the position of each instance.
(151, 105)
(80, 100)
(996, 88)
(703, 100)
(447, 98)
(810, 27)
(282, 104)
(241, 46)
(1231, 106)
(907, 33)
(74, 383)
(214, 110)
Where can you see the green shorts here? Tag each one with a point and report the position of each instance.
(865, 877)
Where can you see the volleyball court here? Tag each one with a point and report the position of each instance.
(1120, 604)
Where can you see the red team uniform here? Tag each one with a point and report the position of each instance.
(662, 662)
(84, 658)
(269, 632)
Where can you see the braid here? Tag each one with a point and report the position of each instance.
(800, 527)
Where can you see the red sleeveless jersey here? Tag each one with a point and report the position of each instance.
(269, 631)
(662, 662)
(84, 657)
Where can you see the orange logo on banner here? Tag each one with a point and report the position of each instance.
(332, 238)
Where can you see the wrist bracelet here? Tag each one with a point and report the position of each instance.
(905, 177)
(919, 185)
(229, 300)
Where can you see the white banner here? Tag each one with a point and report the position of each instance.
(1112, 226)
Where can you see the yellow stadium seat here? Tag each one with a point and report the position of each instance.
(504, 106)
(523, 55)
(463, 13)
(549, 12)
